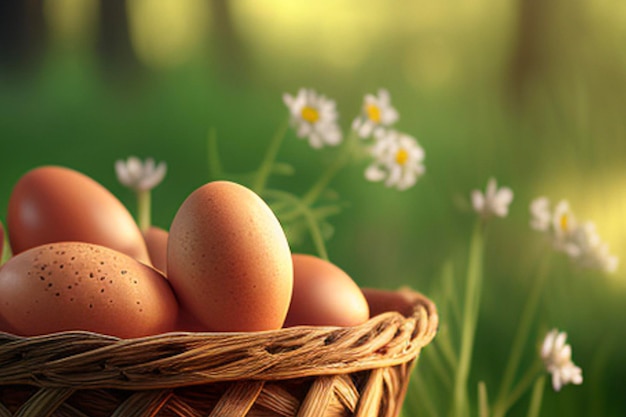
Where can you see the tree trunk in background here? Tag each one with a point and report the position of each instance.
(115, 49)
(231, 56)
(22, 34)
(527, 59)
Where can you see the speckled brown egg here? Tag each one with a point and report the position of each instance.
(55, 204)
(80, 286)
(228, 259)
(156, 242)
(324, 295)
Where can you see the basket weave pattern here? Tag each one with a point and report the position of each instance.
(301, 371)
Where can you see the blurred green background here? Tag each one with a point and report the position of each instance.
(528, 91)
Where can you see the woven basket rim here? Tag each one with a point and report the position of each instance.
(177, 359)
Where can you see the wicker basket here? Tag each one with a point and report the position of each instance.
(300, 371)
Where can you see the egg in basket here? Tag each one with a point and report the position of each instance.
(214, 317)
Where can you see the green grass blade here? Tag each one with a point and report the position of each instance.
(483, 400)
(470, 317)
(537, 397)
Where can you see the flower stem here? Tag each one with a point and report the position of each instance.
(309, 217)
(521, 337)
(143, 208)
(316, 235)
(470, 319)
(270, 157)
(523, 385)
(340, 161)
(537, 397)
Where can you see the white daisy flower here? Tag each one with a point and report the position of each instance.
(398, 160)
(599, 257)
(541, 216)
(578, 240)
(494, 202)
(593, 252)
(140, 176)
(557, 358)
(314, 116)
(564, 225)
(377, 113)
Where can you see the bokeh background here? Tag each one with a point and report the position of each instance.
(529, 91)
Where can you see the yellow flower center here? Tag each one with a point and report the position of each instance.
(564, 222)
(402, 156)
(310, 114)
(373, 113)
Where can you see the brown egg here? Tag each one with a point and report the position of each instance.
(156, 242)
(1, 241)
(4, 326)
(55, 204)
(188, 323)
(229, 261)
(382, 301)
(324, 295)
(80, 286)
